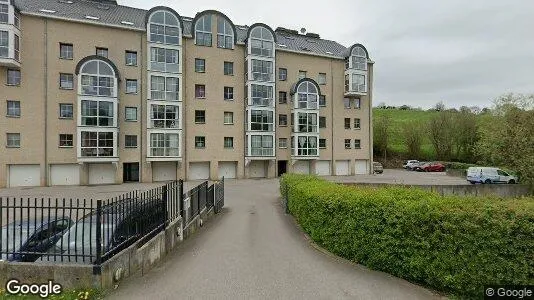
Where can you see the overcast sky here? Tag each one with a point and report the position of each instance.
(456, 51)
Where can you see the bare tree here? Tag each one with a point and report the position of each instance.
(413, 133)
(381, 132)
(439, 106)
(442, 132)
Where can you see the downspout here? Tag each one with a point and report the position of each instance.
(371, 171)
(184, 110)
(46, 102)
(140, 62)
(332, 165)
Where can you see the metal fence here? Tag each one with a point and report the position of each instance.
(92, 231)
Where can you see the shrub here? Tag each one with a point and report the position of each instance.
(452, 244)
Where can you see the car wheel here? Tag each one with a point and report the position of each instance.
(511, 181)
(487, 181)
(472, 182)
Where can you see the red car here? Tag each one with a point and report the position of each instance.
(430, 167)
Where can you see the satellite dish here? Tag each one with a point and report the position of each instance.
(303, 30)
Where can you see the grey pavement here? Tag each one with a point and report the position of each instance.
(253, 250)
(401, 176)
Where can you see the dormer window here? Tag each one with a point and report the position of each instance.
(225, 34)
(97, 79)
(307, 95)
(203, 31)
(164, 28)
(359, 59)
(261, 42)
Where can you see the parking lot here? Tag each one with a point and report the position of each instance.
(401, 176)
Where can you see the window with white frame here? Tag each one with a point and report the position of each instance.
(164, 60)
(203, 31)
(307, 94)
(13, 108)
(164, 28)
(346, 102)
(66, 81)
(357, 103)
(96, 144)
(200, 142)
(66, 111)
(98, 79)
(261, 120)
(13, 140)
(357, 144)
(164, 88)
(13, 77)
(164, 116)
(228, 93)
(131, 86)
(164, 144)
(282, 143)
(282, 74)
(17, 20)
(225, 34)
(358, 83)
(228, 68)
(130, 114)
(200, 65)
(262, 95)
(228, 118)
(228, 142)
(307, 122)
(357, 123)
(66, 141)
(261, 145)
(262, 70)
(4, 44)
(66, 51)
(17, 48)
(131, 58)
(4, 13)
(261, 42)
(307, 146)
(97, 113)
(347, 144)
(359, 59)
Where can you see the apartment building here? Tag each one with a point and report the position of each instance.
(93, 92)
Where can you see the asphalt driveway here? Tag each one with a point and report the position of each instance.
(253, 250)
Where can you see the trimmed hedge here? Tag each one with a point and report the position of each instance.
(452, 244)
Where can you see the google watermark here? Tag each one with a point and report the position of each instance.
(509, 292)
(43, 290)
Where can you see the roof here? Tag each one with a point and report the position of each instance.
(109, 14)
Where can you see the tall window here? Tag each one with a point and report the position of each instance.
(131, 58)
(13, 77)
(228, 93)
(164, 88)
(228, 142)
(4, 13)
(17, 48)
(322, 100)
(228, 68)
(358, 83)
(307, 95)
(302, 74)
(282, 97)
(203, 31)
(282, 120)
(347, 123)
(307, 122)
(66, 81)
(200, 116)
(200, 65)
(347, 143)
(4, 43)
(357, 103)
(98, 79)
(262, 70)
(261, 145)
(164, 60)
(228, 118)
(261, 120)
(261, 42)
(131, 86)
(130, 114)
(357, 144)
(66, 111)
(322, 143)
(96, 144)
(164, 116)
(66, 51)
(262, 95)
(322, 122)
(359, 59)
(97, 113)
(164, 28)
(200, 91)
(282, 74)
(322, 78)
(282, 143)
(357, 123)
(307, 146)
(225, 34)
(164, 144)
(13, 108)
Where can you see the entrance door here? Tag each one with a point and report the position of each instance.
(131, 172)
(282, 167)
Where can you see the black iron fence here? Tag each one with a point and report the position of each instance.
(92, 231)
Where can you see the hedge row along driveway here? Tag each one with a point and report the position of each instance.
(455, 245)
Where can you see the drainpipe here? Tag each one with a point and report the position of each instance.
(46, 102)
(332, 168)
(140, 63)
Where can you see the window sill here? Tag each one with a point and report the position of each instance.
(228, 99)
(130, 147)
(65, 147)
(15, 117)
(200, 148)
(131, 93)
(65, 58)
(229, 148)
(358, 128)
(66, 118)
(229, 75)
(282, 147)
(358, 148)
(12, 84)
(130, 120)
(347, 148)
(280, 125)
(13, 147)
(201, 72)
(228, 123)
(322, 147)
(200, 123)
(66, 89)
(131, 65)
(200, 97)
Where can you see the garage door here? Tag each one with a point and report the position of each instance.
(228, 169)
(199, 170)
(101, 174)
(342, 167)
(322, 167)
(24, 175)
(68, 174)
(163, 171)
(257, 169)
(362, 167)
(301, 167)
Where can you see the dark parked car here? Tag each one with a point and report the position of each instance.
(27, 240)
(430, 167)
(378, 168)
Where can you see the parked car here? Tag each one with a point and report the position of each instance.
(409, 164)
(430, 167)
(489, 175)
(378, 168)
(27, 240)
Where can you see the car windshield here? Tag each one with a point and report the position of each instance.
(81, 238)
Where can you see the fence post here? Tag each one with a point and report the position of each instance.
(165, 203)
(98, 232)
(181, 198)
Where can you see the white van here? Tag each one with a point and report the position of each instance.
(489, 175)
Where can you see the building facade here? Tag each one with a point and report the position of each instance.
(98, 93)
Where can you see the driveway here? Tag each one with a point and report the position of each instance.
(401, 176)
(253, 250)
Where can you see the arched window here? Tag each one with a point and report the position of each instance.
(97, 79)
(307, 94)
(261, 42)
(164, 28)
(359, 59)
(203, 31)
(225, 34)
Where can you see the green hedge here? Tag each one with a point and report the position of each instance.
(452, 244)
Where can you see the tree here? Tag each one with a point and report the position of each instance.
(381, 105)
(413, 134)
(381, 132)
(439, 106)
(441, 129)
(465, 135)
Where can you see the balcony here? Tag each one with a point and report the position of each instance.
(356, 83)
(9, 63)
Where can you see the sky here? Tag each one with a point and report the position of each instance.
(425, 51)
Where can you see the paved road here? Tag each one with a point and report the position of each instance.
(254, 251)
(401, 176)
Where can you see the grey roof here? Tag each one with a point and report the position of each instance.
(110, 14)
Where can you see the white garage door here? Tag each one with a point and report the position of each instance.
(322, 167)
(68, 174)
(163, 171)
(362, 167)
(342, 167)
(24, 175)
(257, 169)
(228, 169)
(199, 170)
(301, 167)
(101, 174)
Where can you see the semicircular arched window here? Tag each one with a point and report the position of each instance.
(308, 95)
(359, 59)
(97, 79)
(225, 34)
(203, 31)
(261, 42)
(164, 28)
